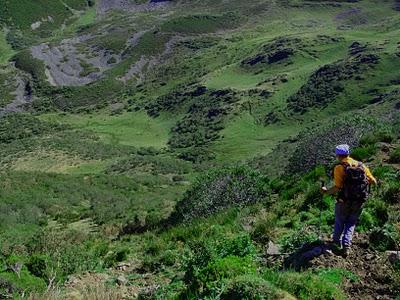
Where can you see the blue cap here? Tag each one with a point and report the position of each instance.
(343, 150)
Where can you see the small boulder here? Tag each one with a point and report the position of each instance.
(273, 249)
(393, 256)
(121, 280)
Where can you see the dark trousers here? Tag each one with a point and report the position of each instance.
(346, 218)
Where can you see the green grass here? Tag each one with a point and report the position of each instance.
(70, 190)
(23, 13)
(5, 49)
(132, 129)
(199, 24)
(243, 138)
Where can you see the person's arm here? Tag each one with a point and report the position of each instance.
(333, 190)
(371, 178)
(338, 175)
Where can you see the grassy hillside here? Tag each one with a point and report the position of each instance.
(177, 152)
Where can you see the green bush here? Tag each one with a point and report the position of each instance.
(24, 281)
(228, 267)
(264, 227)
(38, 264)
(250, 287)
(220, 189)
(364, 153)
(392, 193)
(19, 126)
(395, 156)
(384, 238)
(374, 137)
(294, 241)
(200, 23)
(213, 261)
(305, 286)
(36, 68)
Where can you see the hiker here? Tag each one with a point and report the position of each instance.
(352, 181)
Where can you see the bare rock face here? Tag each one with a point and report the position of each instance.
(65, 66)
(104, 6)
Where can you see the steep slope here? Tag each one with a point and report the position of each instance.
(155, 149)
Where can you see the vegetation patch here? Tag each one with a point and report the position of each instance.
(200, 23)
(280, 50)
(220, 189)
(19, 126)
(154, 164)
(35, 67)
(201, 125)
(316, 146)
(325, 84)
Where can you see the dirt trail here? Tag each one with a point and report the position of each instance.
(374, 273)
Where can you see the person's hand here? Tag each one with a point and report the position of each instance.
(324, 190)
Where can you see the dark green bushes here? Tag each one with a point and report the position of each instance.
(221, 189)
(364, 153)
(154, 164)
(212, 263)
(19, 126)
(325, 84)
(279, 50)
(371, 138)
(201, 125)
(36, 68)
(250, 287)
(316, 146)
(395, 156)
(200, 23)
(205, 112)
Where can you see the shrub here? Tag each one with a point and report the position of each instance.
(219, 189)
(305, 286)
(19, 126)
(251, 287)
(385, 136)
(37, 265)
(210, 262)
(316, 145)
(8, 289)
(392, 193)
(36, 68)
(24, 281)
(325, 84)
(228, 267)
(364, 153)
(395, 156)
(297, 239)
(264, 227)
(383, 238)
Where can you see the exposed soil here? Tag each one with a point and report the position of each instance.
(347, 13)
(104, 6)
(375, 277)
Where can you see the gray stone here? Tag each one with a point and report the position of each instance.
(121, 280)
(273, 249)
(393, 256)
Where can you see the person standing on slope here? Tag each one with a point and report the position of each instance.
(352, 180)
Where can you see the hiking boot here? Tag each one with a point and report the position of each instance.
(334, 248)
(346, 252)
